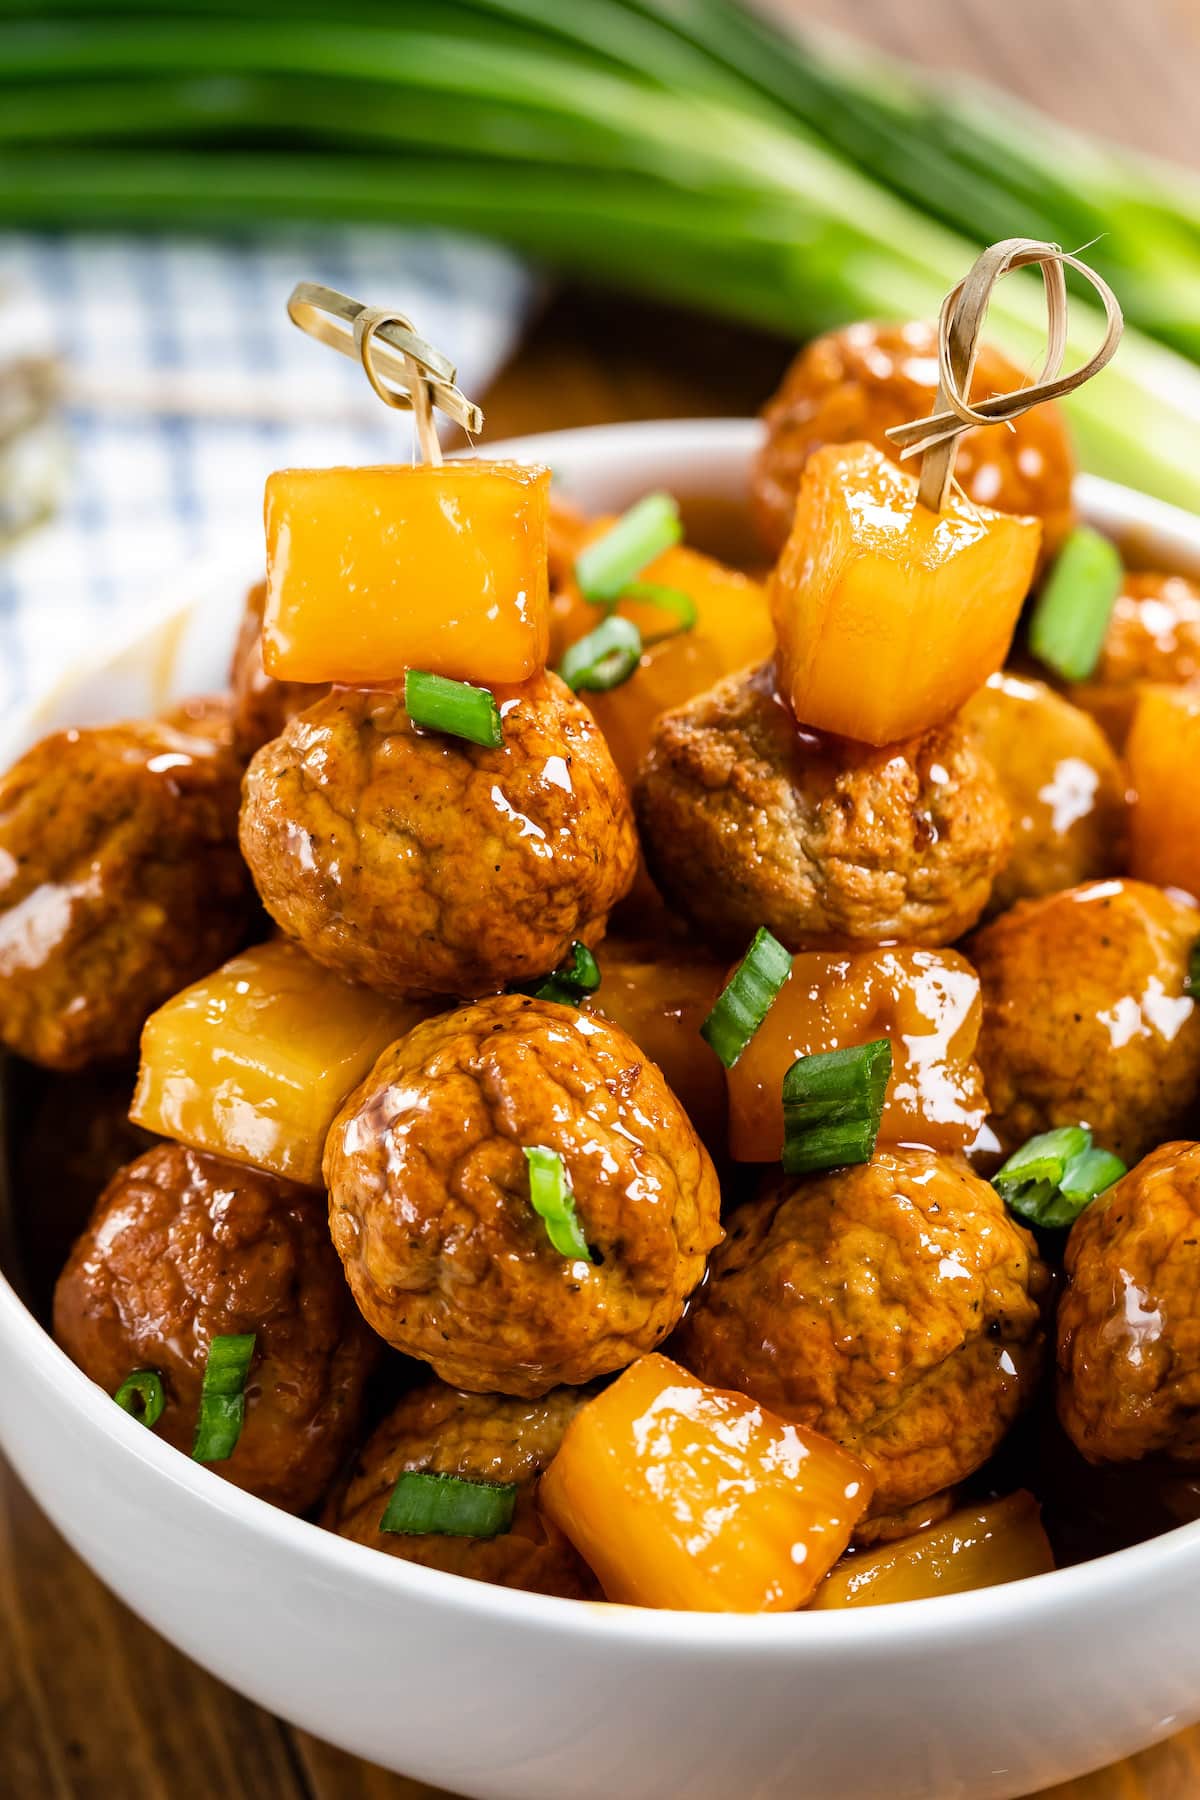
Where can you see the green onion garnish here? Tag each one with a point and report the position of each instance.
(1191, 984)
(455, 707)
(604, 658)
(832, 1105)
(141, 1395)
(605, 568)
(554, 1203)
(746, 998)
(1053, 1176)
(668, 599)
(1073, 609)
(223, 1397)
(578, 974)
(449, 1505)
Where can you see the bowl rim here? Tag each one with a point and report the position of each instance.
(987, 1612)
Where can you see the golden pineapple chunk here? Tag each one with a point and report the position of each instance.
(253, 1061)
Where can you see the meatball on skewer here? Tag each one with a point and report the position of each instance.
(120, 880)
(184, 1247)
(416, 862)
(748, 819)
(432, 1212)
(478, 1437)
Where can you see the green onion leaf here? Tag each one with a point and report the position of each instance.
(223, 1397)
(554, 1203)
(746, 998)
(455, 707)
(1073, 609)
(604, 658)
(1052, 1177)
(578, 974)
(1191, 985)
(141, 1395)
(449, 1505)
(604, 569)
(668, 599)
(832, 1105)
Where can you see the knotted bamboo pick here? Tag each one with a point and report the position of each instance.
(964, 309)
(406, 372)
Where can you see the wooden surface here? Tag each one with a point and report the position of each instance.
(93, 1706)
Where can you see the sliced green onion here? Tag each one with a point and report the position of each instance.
(1071, 617)
(578, 974)
(223, 1397)
(746, 998)
(832, 1105)
(604, 658)
(449, 1505)
(605, 568)
(668, 599)
(1053, 1176)
(1191, 985)
(455, 707)
(554, 1203)
(141, 1395)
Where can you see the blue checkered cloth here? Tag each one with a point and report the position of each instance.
(185, 384)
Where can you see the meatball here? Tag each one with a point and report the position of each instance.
(1153, 635)
(184, 1247)
(896, 1307)
(262, 706)
(480, 1437)
(1063, 784)
(748, 819)
(851, 385)
(1129, 1319)
(431, 1210)
(120, 880)
(1085, 1017)
(418, 863)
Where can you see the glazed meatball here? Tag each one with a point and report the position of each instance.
(262, 706)
(480, 1437)
(1063, 784)
(418, 863)
(431, 1210)
(748, 819)
(896, 1307)
(184, 1247)
(1085, 1018)
(1129, 1320)
(851, 385)
(120, 880)
(1153, 635)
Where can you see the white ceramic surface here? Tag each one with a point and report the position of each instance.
(491, 1693)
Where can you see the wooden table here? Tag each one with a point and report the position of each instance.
(93, 1705)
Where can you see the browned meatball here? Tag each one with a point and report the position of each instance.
(419, 863)
(896, 1307)
(851, 385)
(1153, 635)
(262, 706)
(120, 880)
(748, 819)
(430, 1202)
(1129, 1319)
(1064, 787)
(1085, 1019)
(184, 1247)
(480, 1437)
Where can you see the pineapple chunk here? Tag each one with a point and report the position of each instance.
(683, 1495)
(374, 571)
(888, 616)
(984, 1547)
(1163, 753)
(253, 1061)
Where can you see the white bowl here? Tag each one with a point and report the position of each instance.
(493, 1693)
